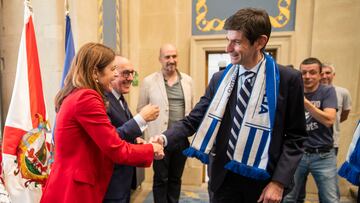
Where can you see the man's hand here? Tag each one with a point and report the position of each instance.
(149, 112)
(157, 139)
(326, 116)
(139, 140)
(306, 102)
(158, 151)
(272, 193)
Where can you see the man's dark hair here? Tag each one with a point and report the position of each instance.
(251, 21)
(312, 60)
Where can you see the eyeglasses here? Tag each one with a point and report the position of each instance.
(127, 73)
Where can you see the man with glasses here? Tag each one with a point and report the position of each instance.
(130, 129)
(172, 91)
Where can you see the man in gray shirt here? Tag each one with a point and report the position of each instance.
(171, 90)
(343, 100)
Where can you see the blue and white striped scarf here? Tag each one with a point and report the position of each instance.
(251, 150)
(350, 169)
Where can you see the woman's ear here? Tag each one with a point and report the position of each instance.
(95, 74)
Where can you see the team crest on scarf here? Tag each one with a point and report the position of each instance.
(34, 153)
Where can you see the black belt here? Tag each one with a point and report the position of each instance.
(318, 150)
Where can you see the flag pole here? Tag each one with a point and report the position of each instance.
(28, 4)
(66, 7)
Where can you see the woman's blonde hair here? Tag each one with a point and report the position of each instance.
(90, 57)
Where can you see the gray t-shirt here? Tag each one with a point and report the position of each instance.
(344, 103)
(320, 136)
(176, 102)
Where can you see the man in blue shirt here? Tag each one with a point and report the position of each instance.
(319, 158)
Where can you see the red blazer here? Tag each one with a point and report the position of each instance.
(86, 147)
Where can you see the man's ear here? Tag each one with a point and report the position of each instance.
(261, 42)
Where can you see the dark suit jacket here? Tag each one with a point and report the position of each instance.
(124, 177)
(289, 131)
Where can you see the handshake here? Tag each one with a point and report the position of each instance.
(157, 142)
(149, 113)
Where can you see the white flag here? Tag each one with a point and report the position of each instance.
(26, 141)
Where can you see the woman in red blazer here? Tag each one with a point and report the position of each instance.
(86, 144)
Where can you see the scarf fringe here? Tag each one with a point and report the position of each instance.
(192, 152)
(350, 172)
(247, 171)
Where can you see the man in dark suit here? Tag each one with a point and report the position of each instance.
(248, 32)
(129, 128)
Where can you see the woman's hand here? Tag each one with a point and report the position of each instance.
(158, 151)
(139, 140)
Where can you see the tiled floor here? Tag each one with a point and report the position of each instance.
(312, 198)
(189, 194)
(193, 194)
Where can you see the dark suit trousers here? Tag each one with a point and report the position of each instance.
(167, 175)
(119, 189)
(126, 200)
(237, 188)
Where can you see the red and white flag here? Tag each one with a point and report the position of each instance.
(27, 140)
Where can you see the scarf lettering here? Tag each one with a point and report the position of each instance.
(264, 108)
